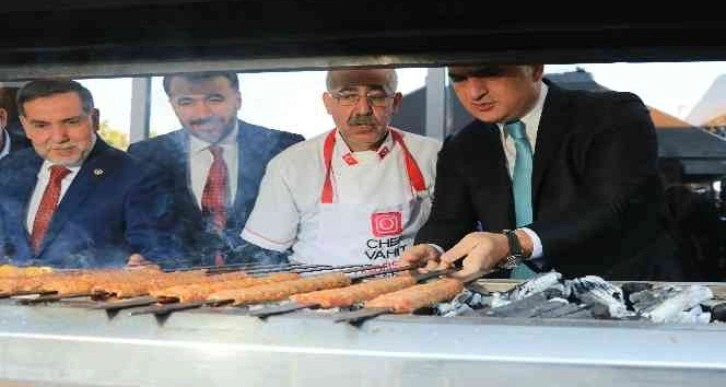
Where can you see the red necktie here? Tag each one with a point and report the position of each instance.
(48, 205)
(214, 196)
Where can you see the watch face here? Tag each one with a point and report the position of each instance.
(510, 262)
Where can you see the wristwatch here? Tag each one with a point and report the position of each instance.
(516, 254)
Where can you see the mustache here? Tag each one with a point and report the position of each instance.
(202, 121)
(363, 120)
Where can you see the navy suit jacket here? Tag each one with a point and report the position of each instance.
(170, 152)
(597, 199)
(18, 140)
(113, 208)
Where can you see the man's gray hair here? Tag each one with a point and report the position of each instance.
(48, 87)
(391, 85)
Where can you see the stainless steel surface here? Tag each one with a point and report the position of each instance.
(71, 345)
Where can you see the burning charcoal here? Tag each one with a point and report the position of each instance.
(595, 290)
(535, 285)
(519, 308)
(460, 304)
(670, 308)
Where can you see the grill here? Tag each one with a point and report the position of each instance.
(88, 339)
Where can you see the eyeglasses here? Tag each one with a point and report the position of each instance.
(379, 100)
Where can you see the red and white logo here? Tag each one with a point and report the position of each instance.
(386, 224)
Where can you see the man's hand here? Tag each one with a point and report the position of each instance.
(481, 251)
(422, 254)
(137, 261)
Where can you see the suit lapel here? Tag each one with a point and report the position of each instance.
(495, 186)
(181, 169)
(245, 165)
(553, 126)
(502, 216)
(24, 184)
(94, 170)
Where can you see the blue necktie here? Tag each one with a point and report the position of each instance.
(522, 185)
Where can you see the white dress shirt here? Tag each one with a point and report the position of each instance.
(6, 144)
(531, 121)
(200, 160)
(43, 180)
(42, 183)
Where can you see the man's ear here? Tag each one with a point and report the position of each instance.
(328, 101)
(397, 99)
(3, 118)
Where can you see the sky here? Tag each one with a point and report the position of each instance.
(292, 100)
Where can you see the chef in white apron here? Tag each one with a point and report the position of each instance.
(351, 195)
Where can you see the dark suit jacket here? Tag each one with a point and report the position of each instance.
(598, 204)
(18, 140)
(111, 210)
(257, 145)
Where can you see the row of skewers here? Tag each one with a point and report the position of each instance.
(400, 292)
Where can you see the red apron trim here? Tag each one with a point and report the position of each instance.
(415, 177)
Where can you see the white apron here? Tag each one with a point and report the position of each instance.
(355, 234)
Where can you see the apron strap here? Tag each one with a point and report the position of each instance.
(415, 177)
(327, 195)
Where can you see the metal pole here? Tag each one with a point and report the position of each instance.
(140, 109)
(436, 103)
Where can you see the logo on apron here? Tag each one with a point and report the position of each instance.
(385, 224)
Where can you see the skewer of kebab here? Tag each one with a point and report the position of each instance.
(38, 284)
(349, 295)
(17, 271)
(410, 299)
(194, 292)
(276, 291)
(118, 283)
(197, 292)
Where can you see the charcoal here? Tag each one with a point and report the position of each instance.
(561, 311)
(551, 304)
(519, 308)
(646, 300)
(669, 310)
(695, 315)
(595, 290)
(554, 293)
(718, 312)
(583, 313)
(635, 287)
(534, 285)
(600, 311)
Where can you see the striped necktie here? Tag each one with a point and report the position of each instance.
(521, 185)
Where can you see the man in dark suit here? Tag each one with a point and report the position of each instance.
(12, 137)
(74, 201)
(546, 178)
(216, 162)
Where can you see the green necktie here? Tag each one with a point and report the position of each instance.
(522, 185)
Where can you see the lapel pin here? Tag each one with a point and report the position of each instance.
(98, 171)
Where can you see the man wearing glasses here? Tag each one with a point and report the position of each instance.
(355, 194)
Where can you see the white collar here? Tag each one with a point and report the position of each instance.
(6, 144)
(532, 118)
